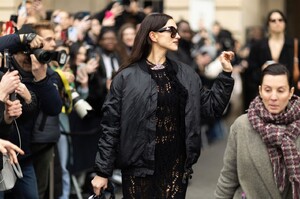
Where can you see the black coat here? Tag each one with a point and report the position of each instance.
(5, 129)
(46, 129)
(97, 84)
(129, 126)
(45, 97)
(259, 54)
(11, 42)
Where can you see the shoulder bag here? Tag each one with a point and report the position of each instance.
(9, 174)
(10, 171)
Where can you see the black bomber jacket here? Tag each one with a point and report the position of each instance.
(128, 126)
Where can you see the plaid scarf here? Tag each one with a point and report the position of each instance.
(279, 132)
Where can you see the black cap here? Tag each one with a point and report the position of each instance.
(81, 15)
(26, 28)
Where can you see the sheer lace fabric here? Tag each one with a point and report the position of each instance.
(169, 149)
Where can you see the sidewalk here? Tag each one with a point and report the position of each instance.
(206, 172)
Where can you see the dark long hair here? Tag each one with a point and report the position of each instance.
(124, 50)
(74, 49)
(142, 43)
(269, 15)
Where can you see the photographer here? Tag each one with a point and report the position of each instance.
(43, 96)
(47, 128)
(8, 110)
(9, 82)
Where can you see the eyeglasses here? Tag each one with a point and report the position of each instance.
(170, 29)
(274, 20)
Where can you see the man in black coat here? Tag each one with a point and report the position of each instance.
(43, 95)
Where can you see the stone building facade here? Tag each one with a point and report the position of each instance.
(235, 15)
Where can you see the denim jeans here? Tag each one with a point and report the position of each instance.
(25, 187)
(63, 150)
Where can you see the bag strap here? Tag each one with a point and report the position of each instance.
(17, 169)
(296, 62)
(16, 166)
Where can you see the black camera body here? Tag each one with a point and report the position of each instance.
(44, 56)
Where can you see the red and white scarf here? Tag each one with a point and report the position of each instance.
(279, 132)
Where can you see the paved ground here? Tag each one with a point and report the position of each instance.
(206, 172)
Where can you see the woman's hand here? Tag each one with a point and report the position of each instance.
(225, 58)
(91, 66)
(9, 148)
(24, 93)
(9, 82)
(82, 76)
(69, 76)
(38, 69)
(117, 9)
(98, 184)
(13, 110)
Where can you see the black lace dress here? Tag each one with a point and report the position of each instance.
(169, 149)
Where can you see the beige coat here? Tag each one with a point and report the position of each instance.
(247, 166)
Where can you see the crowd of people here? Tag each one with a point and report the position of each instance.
(134, 88)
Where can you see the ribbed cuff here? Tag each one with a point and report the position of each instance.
(227, 73)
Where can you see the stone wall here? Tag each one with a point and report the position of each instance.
(235, 15)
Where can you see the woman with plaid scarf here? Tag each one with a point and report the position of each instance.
(262, 158)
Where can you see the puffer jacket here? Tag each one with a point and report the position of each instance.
(128, 125)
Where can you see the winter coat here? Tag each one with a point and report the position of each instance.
(128, 125)
(247, 166)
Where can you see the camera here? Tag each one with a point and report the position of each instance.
(45, 57)
(81, 106)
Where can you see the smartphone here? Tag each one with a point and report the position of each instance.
(22, 12)
(108, 14)
(93, 55)
(72, 34)
(9, 27)
(14, 18)
(63, 35)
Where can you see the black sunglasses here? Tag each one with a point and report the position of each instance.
(170, 29)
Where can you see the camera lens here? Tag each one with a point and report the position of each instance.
(43, 56)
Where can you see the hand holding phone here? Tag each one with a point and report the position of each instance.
(14, 18)
(22, 12)
(108, 14)
(9, 28)
(72, 34)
